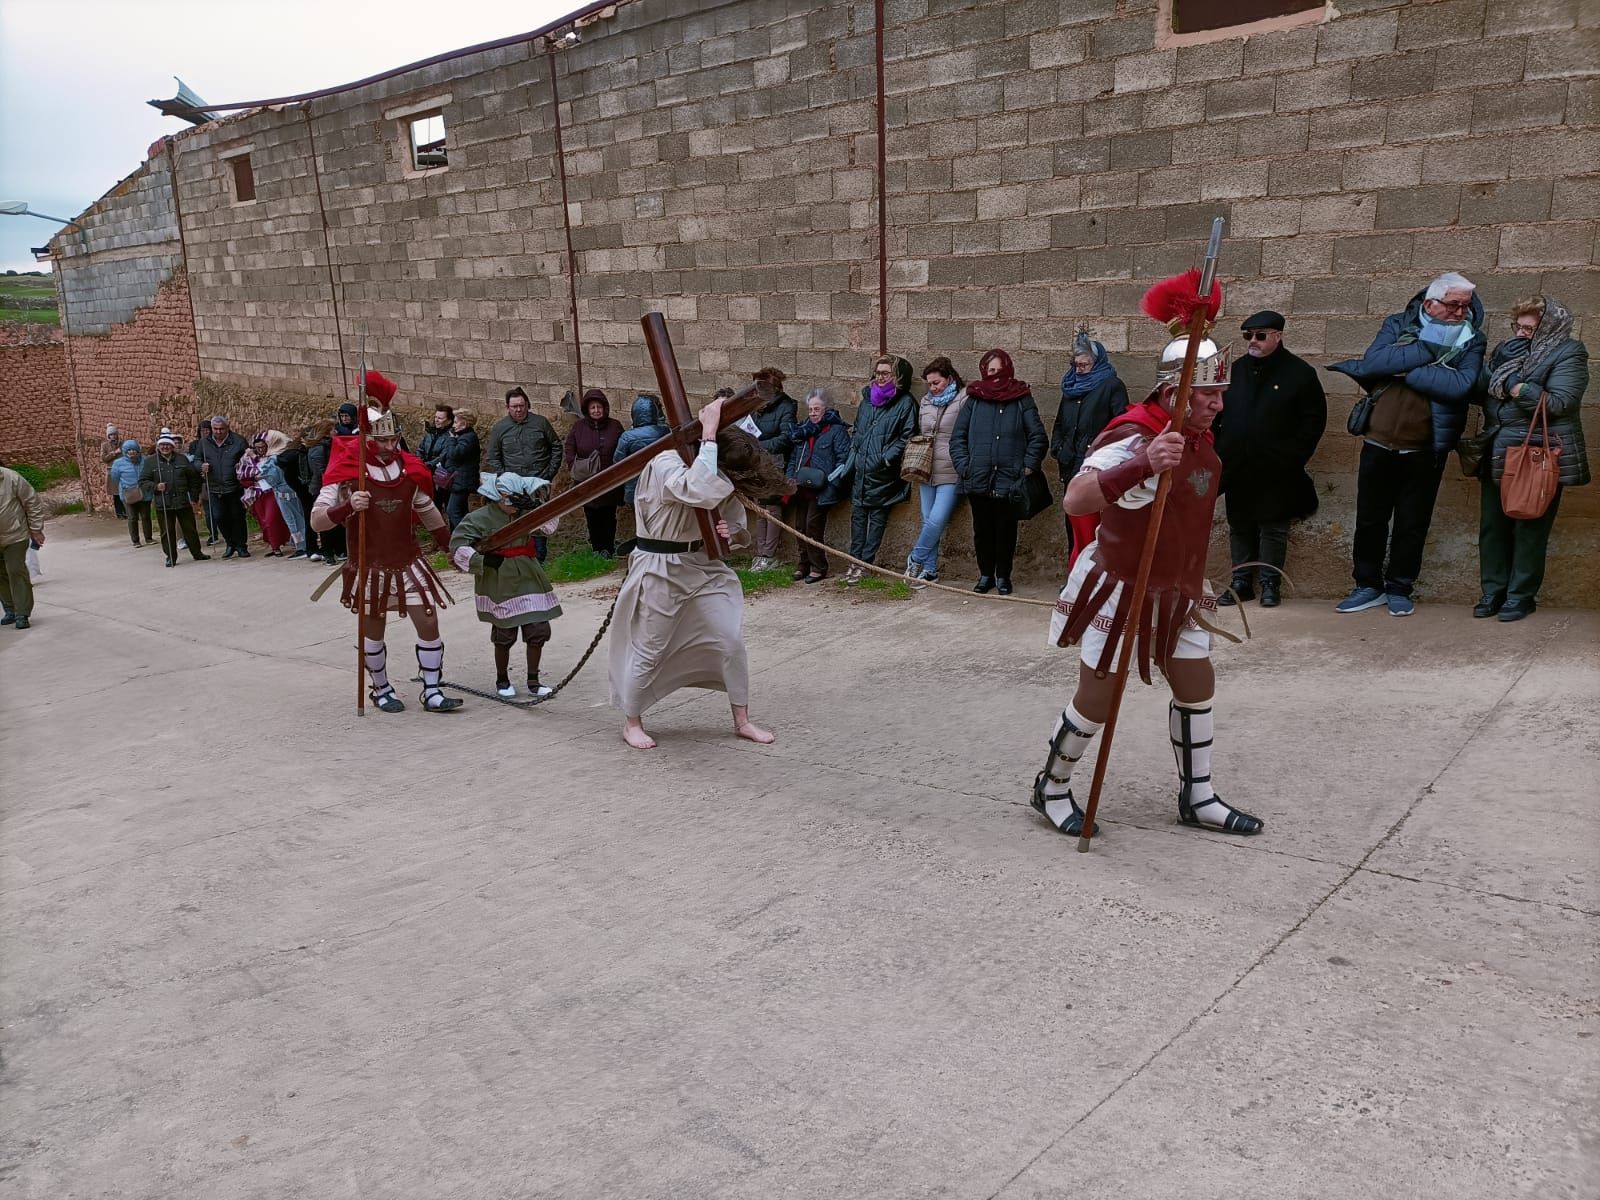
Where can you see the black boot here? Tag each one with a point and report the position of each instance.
(1002, 584)
(1242, 589)
(1489, 605)
(985, 584)
(1269, 592)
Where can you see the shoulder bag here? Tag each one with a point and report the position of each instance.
(1032, 496)
(1474, 448)
(133, 494)
(583, 468)
(1532, 473)
(1361, 412)
(916, 465)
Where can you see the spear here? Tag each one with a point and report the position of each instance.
(361, 535)
(1141, 581)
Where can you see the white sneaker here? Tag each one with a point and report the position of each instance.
(506, 691)
(540, 692)
(761, 564)
(853, 575)
(314, 557)
(182, 545)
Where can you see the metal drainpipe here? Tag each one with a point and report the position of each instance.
(327, 254)
(566, 219)
(883, 198)
(183, 251)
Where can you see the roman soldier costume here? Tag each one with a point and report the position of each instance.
(393, 573)
(1096, 608)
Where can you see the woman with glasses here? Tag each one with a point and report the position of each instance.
(1541, 363)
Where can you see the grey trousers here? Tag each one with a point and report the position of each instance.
(16, 589)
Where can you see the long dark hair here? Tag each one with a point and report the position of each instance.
(748, 467)
(944, 367)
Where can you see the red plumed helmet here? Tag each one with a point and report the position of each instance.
(1174, 301)
(380, 388)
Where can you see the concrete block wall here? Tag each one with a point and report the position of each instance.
(125, 247)
(1047, 159)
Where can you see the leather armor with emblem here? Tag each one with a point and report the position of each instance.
(394, 569)
(1180, 558)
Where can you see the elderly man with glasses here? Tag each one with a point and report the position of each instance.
(1272, 418)
(1421, 369)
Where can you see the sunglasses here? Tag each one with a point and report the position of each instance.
(1259, 335)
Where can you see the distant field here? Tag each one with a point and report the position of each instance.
(28, 298)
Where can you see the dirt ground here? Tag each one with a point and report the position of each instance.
(258, 947)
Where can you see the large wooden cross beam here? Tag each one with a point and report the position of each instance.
(685, 434)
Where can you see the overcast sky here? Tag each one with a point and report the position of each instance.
(74, 77)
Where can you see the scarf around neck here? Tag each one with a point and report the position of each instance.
(881, 393)
(1074, 384)
(942, 399)
(1003, 386)
(1527, 357)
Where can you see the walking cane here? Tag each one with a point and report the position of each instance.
(1198, 321)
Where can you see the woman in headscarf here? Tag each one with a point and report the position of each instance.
(123, 473)
(1541, 362)
(590, 447)
(1091, 394)
(276, 477)
(679, 618)
(884, 424)
(937, 414)
(816, 467)
(998, 441)
(260, 500)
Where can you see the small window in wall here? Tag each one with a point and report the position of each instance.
(1200, 16)
(428, 152)
(244, 178)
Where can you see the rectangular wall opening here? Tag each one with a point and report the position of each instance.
(244, 178)
(428, 150)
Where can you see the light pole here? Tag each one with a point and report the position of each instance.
(19, 208)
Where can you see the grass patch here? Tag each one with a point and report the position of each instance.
(439, 561)
(756, 582)
(46, 477)
(75, 506)
(28, 298)
(883, 589)
(574, 566)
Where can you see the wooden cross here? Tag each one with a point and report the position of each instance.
(685, 433)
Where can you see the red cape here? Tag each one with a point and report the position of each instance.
(342, 464)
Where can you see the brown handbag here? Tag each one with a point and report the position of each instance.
(916, 464)
(1532, 473)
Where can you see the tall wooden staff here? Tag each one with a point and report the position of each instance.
(1180, 411)
(361, 535)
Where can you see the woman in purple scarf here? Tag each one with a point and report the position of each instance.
(884, 424)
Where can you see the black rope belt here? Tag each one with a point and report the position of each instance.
(657, 546)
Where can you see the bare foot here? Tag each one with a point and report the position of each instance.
(633, 733)
(751, 732)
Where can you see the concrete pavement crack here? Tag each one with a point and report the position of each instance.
(1261, 959)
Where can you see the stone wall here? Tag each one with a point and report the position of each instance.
(35, 398)
(1046, 159)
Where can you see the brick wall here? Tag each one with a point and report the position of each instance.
(35, 399)
(1046, 160)
(126, 375)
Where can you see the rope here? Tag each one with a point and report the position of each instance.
(594, 645)
(756, 509)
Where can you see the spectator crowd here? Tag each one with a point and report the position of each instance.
(983, 441)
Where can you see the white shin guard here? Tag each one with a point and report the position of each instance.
(1068, 742)
(1191, 729)
(430, 665)
(376, 655)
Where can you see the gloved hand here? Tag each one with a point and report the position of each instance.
(492, 561)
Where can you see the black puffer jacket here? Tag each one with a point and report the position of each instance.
(434, 447)
(775, 420)
(1079, 421)
(829, 450)
(461, 458)
(1566, 378)
(879, 442)
(994, 441)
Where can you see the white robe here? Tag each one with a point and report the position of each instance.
(680, 617)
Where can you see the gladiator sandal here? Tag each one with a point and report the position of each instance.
(1052, 797)
(376, 656)
(1190, 728)
(430, 665)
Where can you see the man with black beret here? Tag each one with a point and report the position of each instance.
(1272, 418)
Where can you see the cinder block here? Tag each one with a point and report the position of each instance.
(1569, 244)
(1283, 50)
(1466, 249)
(1480, 64)
(1084, 82)
(1215, 60)
(1170, 185)
(1288, 256)
(1575, 198)
(1142, 150)
(1057, 48)
(1123, 35)
(1514, 201)
(1078, 229)
(1130, 226)
(1234, 180)
(1173, 106)
(1239, 98)
(1266, 218)
(1370, 253)
(1306, 174)
(1440, 24)
(1347, 213)
(1321, 87)
(1418, 207)
(1330, 295)
(994, 202)
(1357, 37)
(1115, 189)
(1387, 167)
(1583, 102)
(1114, 114)
(1573, 54)
(1054, 196)
(1534, 105)
(1429, 118)
(1337, 128)
(1105, 262)
(1144, 72)
(1468, 159)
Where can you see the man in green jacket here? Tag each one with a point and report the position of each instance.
(21, 521)
(170, 478)
(522, 442)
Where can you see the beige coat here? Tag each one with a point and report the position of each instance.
(21, 510)
(941, 421)
(680, 617)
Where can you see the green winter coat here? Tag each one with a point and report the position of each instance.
(178, 473)
(515, 593)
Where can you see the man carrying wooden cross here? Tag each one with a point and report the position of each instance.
(1118, 481)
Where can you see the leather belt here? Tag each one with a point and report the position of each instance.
(657, 546)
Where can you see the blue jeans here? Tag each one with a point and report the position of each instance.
(938, 502)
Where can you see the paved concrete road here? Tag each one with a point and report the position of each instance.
(256, 947)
